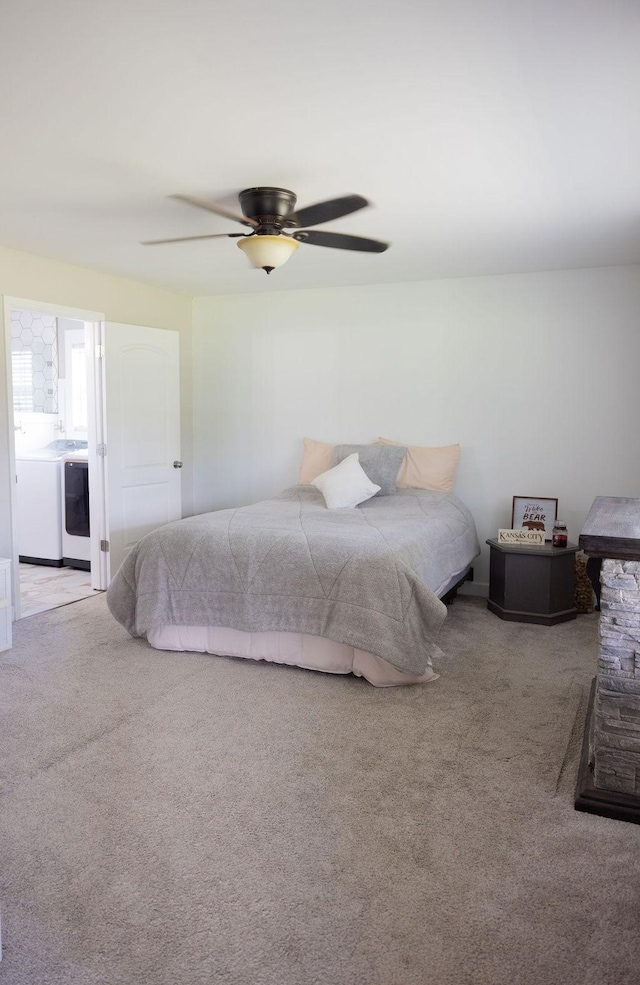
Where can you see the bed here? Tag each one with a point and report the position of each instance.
(288, 580)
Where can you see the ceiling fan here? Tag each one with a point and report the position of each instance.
(269, 212)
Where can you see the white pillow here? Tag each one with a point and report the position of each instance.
(346, 485)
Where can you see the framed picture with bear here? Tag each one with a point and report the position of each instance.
(534, 513)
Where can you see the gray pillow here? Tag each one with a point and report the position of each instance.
(380, 462)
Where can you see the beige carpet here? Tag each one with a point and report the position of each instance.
(173, 819)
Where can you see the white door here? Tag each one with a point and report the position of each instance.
(141, 433)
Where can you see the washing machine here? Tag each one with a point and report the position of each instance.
(40, 501)
(76, 531)
(39, 506)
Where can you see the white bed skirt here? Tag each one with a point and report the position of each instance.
(295, 649)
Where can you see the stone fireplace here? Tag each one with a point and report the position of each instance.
(609, 780)
(617, 711)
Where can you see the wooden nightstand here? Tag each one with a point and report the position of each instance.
(532, 584)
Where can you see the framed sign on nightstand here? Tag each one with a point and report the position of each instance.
(534, 513)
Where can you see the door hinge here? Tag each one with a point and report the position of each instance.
(101, 451)
(99, 351)
(104, 546)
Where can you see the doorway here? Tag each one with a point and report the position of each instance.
(132, 375)
(56, 524)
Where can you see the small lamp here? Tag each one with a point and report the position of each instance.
(268, 252)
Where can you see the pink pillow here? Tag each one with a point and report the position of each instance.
(426, 468)
(316, 459)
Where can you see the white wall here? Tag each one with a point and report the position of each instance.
(35, 278)
(537, 377)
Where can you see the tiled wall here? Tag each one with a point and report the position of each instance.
(34, 353)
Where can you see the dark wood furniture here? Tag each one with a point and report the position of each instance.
(611, 530)
(532, 584)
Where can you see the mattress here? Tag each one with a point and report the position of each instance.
(294, 649)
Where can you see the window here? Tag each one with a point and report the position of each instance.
(22, 376)
(79, 416)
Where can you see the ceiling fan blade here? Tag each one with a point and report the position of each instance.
(339, 241)
(313, 215)
(188, 239)
(216, 209)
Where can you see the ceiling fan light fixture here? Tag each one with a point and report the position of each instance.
(268, 252)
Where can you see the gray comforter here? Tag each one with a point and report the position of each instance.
(368, 577)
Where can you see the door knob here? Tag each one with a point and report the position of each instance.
(177, 465)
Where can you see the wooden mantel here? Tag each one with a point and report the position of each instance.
(612, 528)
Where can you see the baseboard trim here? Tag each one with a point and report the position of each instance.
(479, 588)
(71, 562)
(47, 562)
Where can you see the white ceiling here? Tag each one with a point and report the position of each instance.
(492, 136)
